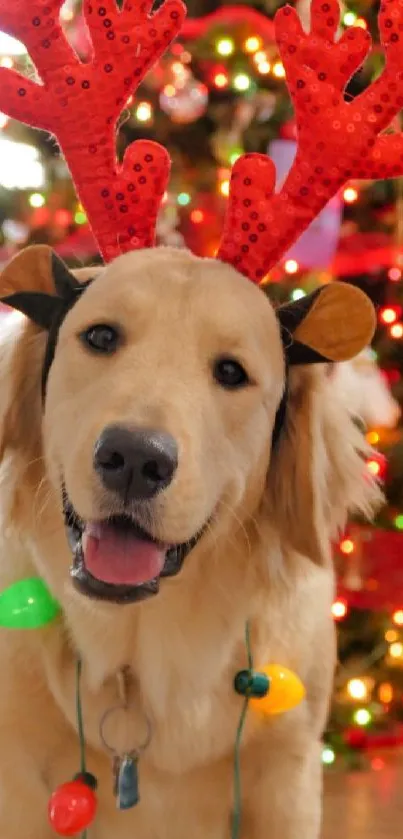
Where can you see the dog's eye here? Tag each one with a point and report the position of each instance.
(101, 338)
(230, 373)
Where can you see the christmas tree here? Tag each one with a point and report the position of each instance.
(220, 91)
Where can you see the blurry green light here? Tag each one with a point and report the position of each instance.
(399, 522)
(235, 155)
(80, 217)
(297, 294)
(183, 199)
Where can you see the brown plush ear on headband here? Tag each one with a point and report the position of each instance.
(334, 323)
(29, 270)
(39, 284)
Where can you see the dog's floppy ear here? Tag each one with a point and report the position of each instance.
(38, 284)
(333, 324)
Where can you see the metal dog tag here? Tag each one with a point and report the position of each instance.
(126, 782)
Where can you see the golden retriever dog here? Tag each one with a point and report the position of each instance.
(147, 429)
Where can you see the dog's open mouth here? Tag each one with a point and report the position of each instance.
(116, 560)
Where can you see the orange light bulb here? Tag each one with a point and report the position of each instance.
(197, 216)
(347, 546)
(286, 691)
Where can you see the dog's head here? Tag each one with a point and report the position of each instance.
(153, 392)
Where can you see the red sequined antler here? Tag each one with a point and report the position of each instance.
(337, 139)
(81, 103)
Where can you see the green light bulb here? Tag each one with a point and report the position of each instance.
(27, 604)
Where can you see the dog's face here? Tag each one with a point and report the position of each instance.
(161, 398)
(159, 410)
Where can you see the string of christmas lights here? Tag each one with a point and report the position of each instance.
(219, 92)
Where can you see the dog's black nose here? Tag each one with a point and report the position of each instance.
(135, 463)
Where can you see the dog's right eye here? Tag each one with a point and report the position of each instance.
(101, 338)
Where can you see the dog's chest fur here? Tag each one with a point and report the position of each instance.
(186, 689)
(183, 655)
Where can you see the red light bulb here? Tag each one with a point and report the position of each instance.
(72, 806)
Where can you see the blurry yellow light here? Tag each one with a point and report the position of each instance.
(328, 756)
(291, 266)
(361, 23)
(242, 82)
(225, 46)
(350, 195)
(6, 61)
(396, 650)
(224, 188)
(221, 80)
(347, 546)
(388, 315)
(169, 90)
(385, 692)
(391, 635)
(264, 68)
(362, 716)
(397, 617)
(144, 111)
(67, 14)
(260, 56)
(339, 609)
(36, 200)
(349, 18)
(373, 438)
(3, 120)
(279, 70)
(298, 294)
(374, 467)
(252, 44)
(396, 331)
(178, 68)
(357, 689)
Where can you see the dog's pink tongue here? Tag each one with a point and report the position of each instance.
(119, 557)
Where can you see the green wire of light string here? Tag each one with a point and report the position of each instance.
(237, 812)
(80, 725)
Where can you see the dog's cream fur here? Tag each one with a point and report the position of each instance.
(266, 556)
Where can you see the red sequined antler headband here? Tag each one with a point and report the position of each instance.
(81, 103)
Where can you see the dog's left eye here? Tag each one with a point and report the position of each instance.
(101, 338)
(230, 373)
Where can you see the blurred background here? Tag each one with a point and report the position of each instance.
(221, 91)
